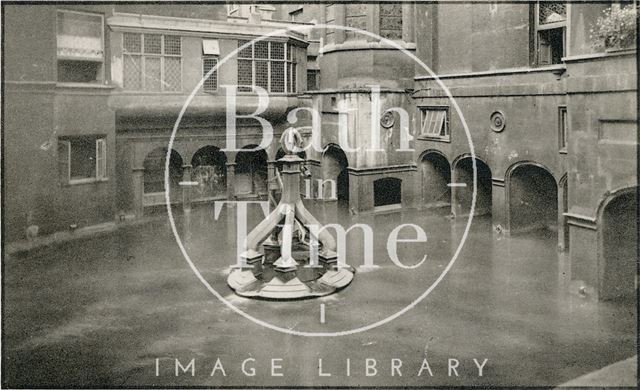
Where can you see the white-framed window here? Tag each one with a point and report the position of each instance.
(550, 32)
(82, 159)
(152, 62)
(270, 65)
(434, 123)
(563, 127)
(79, 46)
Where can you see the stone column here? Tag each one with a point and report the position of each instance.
(373, 21)
(408, 15)
(271, 176)
(186, 187)
(138, 191)
(231, 181)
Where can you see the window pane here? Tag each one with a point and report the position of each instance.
(244, 73)
(172, 45)
(552, 11)
(391, 21)
(63, 161)
(262, 74)
(277, 76)
(246, 52)
(132, 43)
(277, 50)
(172, 74)
(83, 157)
(152, 74)
(211, 83)
(76, 71)
(79, 36)
(132, 73)
(312, 80)
(153, 44)
(434, 123)
(261, 49)
(293, 76)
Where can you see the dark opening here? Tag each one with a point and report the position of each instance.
(312, 80)
(75, 71)
(387, 191)
(154, 171)
(436, 176)
(335, 174)
(343, 185)
(209, 169)
(533, 199)
(464, 188)
(251, 172)
(550, 46)
(619, 247)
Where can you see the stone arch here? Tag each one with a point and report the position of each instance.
(209, 170)
(335, 174)
(617, 244)
(434, 179)
(251, 172)
(154, 170)
(462, 190)
(532, 197)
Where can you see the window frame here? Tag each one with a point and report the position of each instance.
(142, 55)
(422, 109)
(538, 28)
(290, 66)
(101, 160)
(101, 73)
(563, 127)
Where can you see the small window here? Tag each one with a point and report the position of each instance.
(296, 15)
(550, 26)
(82, 159)
(80, 47)
(563, 123)
(387, 192)
(391, 20)
(434, 123)
(210, 83)
(312, 80)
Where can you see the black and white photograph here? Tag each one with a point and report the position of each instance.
(271, 195)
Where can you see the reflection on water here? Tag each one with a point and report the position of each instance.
(99, 311)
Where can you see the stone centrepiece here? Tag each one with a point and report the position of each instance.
(286, 269)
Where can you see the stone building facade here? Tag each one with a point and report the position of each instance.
(552, 119)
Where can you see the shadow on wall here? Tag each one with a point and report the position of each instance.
(533, 199)
(435, 175)
(619, 250)
(463, 192)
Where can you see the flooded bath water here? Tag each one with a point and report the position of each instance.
(99, 312)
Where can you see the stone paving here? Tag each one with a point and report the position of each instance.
(119, 309)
